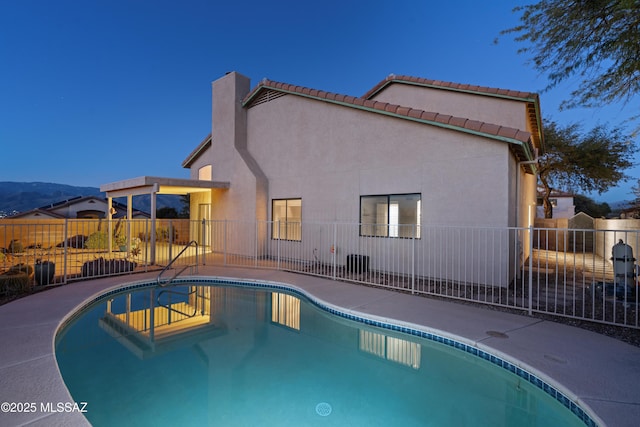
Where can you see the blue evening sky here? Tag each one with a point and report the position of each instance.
(96, 91)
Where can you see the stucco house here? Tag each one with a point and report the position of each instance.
(410, 151)
(562, 203)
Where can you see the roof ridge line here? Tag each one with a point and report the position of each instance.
(489, 129)
(446, 85)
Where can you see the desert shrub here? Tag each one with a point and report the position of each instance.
(15, 247)
(21, 268)
(162, 234)
(78, 242)
(97, 240)
(14, 282)
(101, 266)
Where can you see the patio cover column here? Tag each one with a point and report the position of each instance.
(152, 190)
(129, 218)
(109, 224)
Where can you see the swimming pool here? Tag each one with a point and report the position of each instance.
(220, 352)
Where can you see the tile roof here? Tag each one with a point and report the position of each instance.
(520, 140)
(532, 99)
(459, 87)
(37, 212)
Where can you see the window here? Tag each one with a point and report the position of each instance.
(394, 215)
(287, 219)
(204, 173)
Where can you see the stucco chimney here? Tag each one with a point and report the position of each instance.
(229, 140)
(229, 119)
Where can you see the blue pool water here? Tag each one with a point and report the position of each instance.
(239, 355)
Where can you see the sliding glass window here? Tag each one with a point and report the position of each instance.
(287, 219)
(392, 215)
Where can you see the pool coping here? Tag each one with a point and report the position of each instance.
(18, 326)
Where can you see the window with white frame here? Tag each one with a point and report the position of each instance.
(391, 215)
(287, 219)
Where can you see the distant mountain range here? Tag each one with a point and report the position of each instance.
(25, 196)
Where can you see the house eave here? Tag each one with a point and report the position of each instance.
(521, 141)
(160, 185)
(532, 100)
(193, 156)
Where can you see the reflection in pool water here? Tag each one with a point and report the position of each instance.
(226, 355)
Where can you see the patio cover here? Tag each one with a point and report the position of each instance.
(153, 185)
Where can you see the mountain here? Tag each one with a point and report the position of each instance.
(25, 196)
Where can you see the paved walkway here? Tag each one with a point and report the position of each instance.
(597, 371)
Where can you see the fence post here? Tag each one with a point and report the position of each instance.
(65, 250)
(279, 240)
(170, 241)
(255, 243)
(530, 269)
(147, 246)
(413, 260)
(204, 235)
(335, 248)
(224, 241)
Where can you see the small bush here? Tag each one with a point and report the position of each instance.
(21, 268)
(162, 234)
(78, 242)
(14, 282)
(15, 247)
(101, 266)
(97, 240)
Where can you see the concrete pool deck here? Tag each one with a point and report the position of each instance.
(599, 372)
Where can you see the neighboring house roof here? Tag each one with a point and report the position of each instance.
(532, 99)
(71, 201)
(37, 212)
(520, 141)
(49, 211)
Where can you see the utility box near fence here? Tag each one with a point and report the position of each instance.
(357, 263)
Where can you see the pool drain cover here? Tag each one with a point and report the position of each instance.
(323, 409)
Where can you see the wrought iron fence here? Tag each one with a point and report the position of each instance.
(53, 252)
(560, 272)
(582, 274)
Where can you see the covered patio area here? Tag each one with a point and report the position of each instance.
(153, 185)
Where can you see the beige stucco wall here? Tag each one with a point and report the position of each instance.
(471, 106)
(330, 156)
